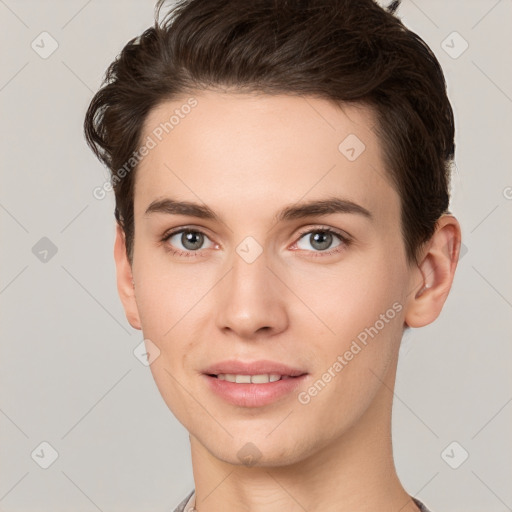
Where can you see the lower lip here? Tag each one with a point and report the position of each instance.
(253, 395)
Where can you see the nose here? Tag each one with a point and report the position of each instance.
(251, 300)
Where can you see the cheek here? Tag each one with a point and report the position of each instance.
(176, 308)
(349, 298)
(355, 359)
(361, 313)
(164, 292)
(154, 302)
(169, 304)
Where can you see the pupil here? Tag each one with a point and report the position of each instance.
(322, 240)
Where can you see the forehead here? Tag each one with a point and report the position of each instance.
(257, 151)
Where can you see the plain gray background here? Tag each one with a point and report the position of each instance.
(68, 373)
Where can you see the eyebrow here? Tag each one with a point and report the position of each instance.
(296, 211)
(322, 207)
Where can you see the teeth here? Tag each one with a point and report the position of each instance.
(248, 379)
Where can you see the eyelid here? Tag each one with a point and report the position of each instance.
(342, 234)
(180, 229)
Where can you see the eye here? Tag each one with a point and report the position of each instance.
(321, 239)
(189, 242)
(186, 241)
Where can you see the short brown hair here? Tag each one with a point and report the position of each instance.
(345, 51)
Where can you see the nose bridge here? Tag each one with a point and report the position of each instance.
(250, 271)
(250, 298)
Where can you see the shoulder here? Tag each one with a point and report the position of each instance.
(420, 505)
(183, 504)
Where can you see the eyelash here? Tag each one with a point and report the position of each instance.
(344, 239)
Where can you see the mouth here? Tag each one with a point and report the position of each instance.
(253, 384)
(240, 371)
(264, 378)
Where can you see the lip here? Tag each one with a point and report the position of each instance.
(253, 368)
(253, 395)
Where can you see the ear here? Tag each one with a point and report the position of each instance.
(125, 286)
(432, 278)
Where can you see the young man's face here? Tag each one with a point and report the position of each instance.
(258, 287)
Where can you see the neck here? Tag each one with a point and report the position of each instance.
(354, 472)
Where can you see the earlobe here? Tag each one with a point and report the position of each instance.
(125, 284)
(432, 279)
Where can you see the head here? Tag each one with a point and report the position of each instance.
(251, 111)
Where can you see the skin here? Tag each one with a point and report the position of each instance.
(247, 157)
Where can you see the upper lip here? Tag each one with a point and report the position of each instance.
(260, 367)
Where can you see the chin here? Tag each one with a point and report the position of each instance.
(261, 453)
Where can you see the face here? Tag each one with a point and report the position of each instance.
(293, 256)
